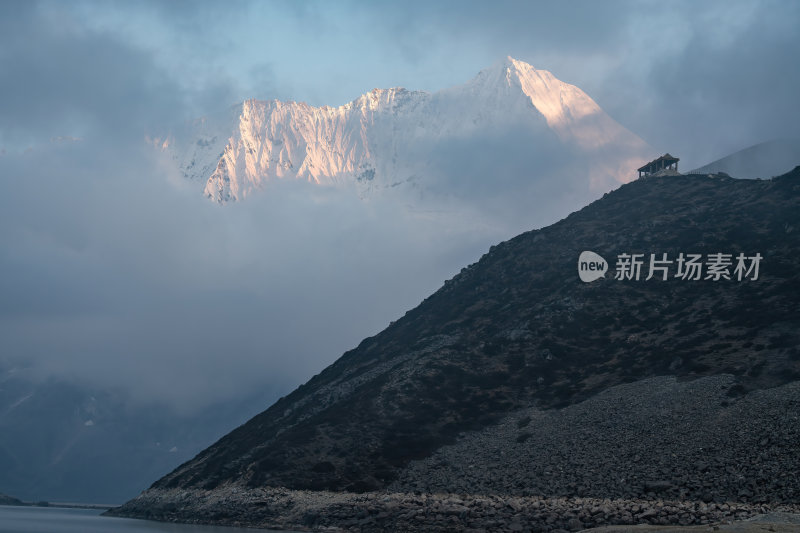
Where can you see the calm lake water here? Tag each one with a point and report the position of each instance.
(54, 520)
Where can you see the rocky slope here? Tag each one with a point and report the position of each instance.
(391, 137)
(698, 440)
(517, 335)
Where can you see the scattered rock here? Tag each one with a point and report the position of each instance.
(384, 511)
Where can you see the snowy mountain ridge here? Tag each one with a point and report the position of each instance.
(388, 137)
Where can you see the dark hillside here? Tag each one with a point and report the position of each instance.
(518, 329)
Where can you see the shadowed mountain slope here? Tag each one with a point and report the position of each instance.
(519, 329)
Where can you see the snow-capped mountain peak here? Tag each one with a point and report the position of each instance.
(388, 137)
(565, 107)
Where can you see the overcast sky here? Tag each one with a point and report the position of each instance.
(115, 270)
(700, 79)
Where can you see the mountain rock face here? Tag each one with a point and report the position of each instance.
(518, 378)
(391, 137)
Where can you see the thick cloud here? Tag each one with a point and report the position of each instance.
(731, 84)
(114, 269)
(113, 274)
(698, 79)
(63, 81)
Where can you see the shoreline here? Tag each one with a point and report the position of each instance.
(61, 505)
(279, 508)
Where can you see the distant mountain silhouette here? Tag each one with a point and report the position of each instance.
(763, 160)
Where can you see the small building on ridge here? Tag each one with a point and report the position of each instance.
(665, 162)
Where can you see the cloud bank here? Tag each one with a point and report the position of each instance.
(115, 271)
(115, 275)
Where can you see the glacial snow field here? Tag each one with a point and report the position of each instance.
(398, 137)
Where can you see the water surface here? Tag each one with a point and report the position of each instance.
(55, 520)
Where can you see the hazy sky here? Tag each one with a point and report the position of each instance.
(700, 79)
(115, 270)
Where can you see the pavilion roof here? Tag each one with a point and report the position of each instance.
(669, 159)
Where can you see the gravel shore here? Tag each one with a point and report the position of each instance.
(337, 511)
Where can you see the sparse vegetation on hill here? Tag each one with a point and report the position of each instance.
(518, 332)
